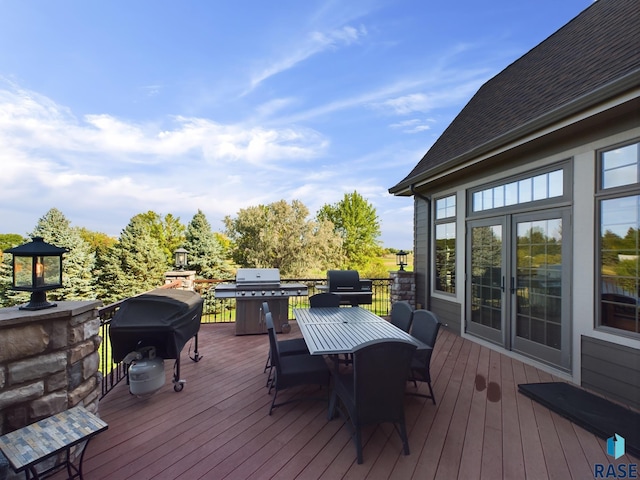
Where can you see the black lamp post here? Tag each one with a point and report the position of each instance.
(180, 256)
(37, 267)
(401, 259)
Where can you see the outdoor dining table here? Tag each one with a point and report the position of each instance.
(339, 330)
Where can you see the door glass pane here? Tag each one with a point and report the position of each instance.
(538, 285)
(486, 281)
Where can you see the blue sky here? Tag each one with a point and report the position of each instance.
(110, 109)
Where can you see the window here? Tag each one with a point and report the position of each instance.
(445, 245)
(620, 166)
(619, 239)
(531, 189)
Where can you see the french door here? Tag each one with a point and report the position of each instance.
(518, 283)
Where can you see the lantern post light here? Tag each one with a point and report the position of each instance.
(37, 267)
(401, 259)
(180, 256)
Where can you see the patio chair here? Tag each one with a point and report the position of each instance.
(326, 299)
(425, 327)
(402, 315)
(291, 346)
(294, 370)
(373, 392)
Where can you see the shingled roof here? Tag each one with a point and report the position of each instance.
(597, 49)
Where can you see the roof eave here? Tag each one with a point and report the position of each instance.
(589, 100)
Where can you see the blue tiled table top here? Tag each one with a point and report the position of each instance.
(31, 444)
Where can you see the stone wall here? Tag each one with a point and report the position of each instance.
(48, 362)
(403, 287)
(185, 278)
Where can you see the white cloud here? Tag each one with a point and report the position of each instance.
(413, 125)
(316, 42)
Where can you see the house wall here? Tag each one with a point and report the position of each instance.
(421, 254)
(611, 369)
(449, 313)
(591, 347)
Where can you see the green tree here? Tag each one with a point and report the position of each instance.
(10, 240)
(205, 252)
(98, 241)
(356, 221)
(133, 265)
(77, 265)
(167, 230)
(280, 235)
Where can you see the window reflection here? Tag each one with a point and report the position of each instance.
(620, 166)
(619, 263)
(446, 207)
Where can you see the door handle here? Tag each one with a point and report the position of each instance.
(502, 286)
(513, 285)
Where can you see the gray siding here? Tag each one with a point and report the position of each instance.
(449, 313)
(611, 369)
(421, 250)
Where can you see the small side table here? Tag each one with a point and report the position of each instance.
(26, 447)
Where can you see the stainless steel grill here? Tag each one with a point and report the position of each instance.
(254, 286)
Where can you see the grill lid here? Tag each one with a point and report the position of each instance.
(247, 277)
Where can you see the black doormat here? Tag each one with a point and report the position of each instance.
(591, 412)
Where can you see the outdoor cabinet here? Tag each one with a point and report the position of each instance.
(250, 318)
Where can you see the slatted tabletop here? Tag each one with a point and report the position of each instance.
(330, 331)
(336, 315)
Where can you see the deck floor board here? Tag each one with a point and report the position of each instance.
(218, 426)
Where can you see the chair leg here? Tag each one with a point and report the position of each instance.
(358, 438)
(433, 398)
(270, 376)
(332, 405)
(273, 401)
(402, 430)
(268, 362)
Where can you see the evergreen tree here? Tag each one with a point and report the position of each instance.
(77, 265)
(135, 264)
(8, 296)
(205, 252)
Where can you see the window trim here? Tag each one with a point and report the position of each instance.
(446, 220)
(619, 190)
(601, 195)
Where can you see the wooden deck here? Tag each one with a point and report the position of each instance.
(218, 426)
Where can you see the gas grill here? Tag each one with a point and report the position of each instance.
(351, 288)
(254, 286)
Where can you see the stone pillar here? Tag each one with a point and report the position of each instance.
(403, 287)
(186, 278)
(48, 362)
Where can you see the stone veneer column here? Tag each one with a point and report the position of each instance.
(48, 362)
(403, 287)
(186, 277)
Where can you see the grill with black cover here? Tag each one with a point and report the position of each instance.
(162, 318)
